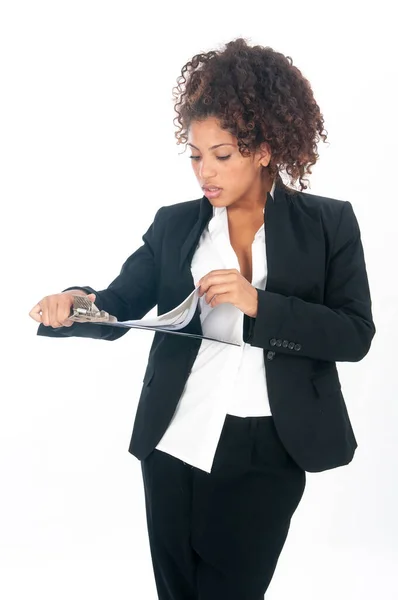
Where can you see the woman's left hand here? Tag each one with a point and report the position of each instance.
(228, 285)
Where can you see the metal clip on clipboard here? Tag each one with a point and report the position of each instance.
(83, 311)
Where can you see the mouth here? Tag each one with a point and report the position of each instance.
(212, 192)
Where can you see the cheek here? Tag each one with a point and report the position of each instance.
(246, 178)
(238, 180)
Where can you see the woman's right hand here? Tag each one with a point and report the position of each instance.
(54, 310)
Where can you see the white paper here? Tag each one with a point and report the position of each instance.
(170, 322)
(175, 319)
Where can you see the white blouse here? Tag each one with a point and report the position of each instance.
(224, 379)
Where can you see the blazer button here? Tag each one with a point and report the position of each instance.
(297, 347)
(272, 342)
(270, 355)
(279, 342)
(291, 345)
(285, 343)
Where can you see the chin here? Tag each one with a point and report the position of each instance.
(218, 204)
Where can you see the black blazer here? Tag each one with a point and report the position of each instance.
(314, 311)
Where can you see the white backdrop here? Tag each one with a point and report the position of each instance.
(88, 155)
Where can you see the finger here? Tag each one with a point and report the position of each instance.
(55, 313)
(68, 323)
(221, 299)
(220, 271)
(61, 312)
(35, 312)
(52, 313)
(216, 272)
(44, 312)
(219, 289)
(223, 277)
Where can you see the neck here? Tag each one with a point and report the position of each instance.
(258, 198)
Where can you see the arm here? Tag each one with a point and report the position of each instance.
(342, 328)
(130, 296)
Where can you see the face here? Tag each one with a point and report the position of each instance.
(217, 162)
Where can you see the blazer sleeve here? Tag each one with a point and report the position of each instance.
(340, 329)
(131, 295)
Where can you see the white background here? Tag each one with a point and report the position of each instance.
(88, 155)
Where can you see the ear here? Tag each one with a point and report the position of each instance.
(264, 154)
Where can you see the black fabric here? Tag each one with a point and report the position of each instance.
(339, 329)
(219, 535)
(315, 310)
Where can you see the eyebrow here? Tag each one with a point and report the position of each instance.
(211, 147)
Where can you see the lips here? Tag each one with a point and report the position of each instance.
(211, 188)
(212, 194)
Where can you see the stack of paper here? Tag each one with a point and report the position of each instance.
(169, 322)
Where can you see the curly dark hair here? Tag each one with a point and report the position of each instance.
(258, 96)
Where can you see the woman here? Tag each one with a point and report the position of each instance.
(225, 434)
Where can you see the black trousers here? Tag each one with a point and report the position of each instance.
(218, 535)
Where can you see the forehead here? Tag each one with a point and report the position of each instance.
(209, 132)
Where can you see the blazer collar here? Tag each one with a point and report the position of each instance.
(206, 213)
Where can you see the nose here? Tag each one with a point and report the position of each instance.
(205, 170)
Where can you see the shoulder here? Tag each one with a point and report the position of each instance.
(332, 213)
(188, 210)
(181, 208)
(316, 204)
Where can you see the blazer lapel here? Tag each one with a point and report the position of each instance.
(276, 243)
(206, 213)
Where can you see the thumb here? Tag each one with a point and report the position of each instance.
(92, 297)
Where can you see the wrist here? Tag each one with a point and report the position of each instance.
(253, 311)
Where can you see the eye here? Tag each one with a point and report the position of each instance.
(218, 157)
